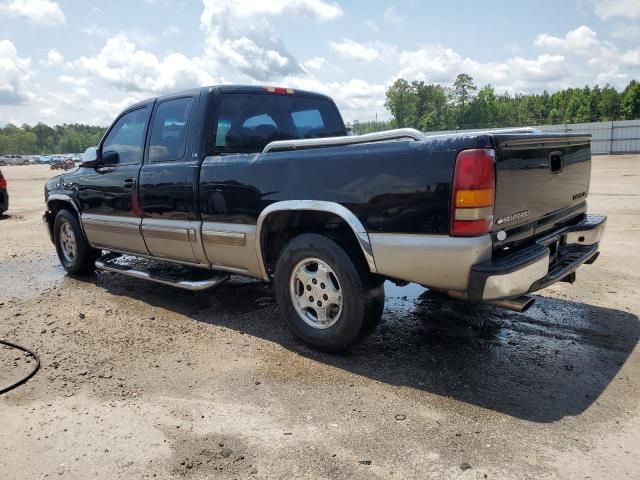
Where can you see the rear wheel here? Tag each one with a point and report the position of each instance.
(74, 252)
(326, 301)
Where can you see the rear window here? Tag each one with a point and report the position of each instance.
(248, 122)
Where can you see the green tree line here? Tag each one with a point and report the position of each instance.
(42, 139)
(431, 107)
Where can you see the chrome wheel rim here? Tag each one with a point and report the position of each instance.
(316, 293)
(68, 242)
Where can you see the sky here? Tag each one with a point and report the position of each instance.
(73, 61)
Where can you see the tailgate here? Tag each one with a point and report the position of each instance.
(542, 181)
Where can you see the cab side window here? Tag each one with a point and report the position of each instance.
(169, 130)
(125, 142)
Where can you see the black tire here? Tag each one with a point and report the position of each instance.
(362, 295)
(82, 261)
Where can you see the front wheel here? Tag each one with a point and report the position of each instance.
(326, 301)
(74, 252)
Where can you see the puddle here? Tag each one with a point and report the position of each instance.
(24, 279)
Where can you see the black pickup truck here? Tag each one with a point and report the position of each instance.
(265, 182)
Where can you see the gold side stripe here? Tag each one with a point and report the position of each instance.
(166, 233)
(118, 228)
(234, 239)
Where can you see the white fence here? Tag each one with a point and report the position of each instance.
(606, 137)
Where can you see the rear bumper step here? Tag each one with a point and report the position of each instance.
(552, 258)
(107, 263)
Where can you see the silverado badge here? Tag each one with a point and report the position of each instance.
(513, 217)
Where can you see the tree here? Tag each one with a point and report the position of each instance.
(42, 139)
(431, 104)
(608, 104)
(462, 88)
(433, 107)
(630, 104)
(401, 103)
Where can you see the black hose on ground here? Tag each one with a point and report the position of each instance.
(31, 374)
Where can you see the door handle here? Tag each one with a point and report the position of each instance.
(129, 183)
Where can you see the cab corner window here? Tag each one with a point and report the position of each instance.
(125, 142)
(169, 130)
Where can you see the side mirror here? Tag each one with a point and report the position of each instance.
(90, 157)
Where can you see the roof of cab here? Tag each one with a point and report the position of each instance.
(224, 89)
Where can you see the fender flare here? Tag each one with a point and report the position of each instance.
(63, 198)
(318, 206)
(60, 197)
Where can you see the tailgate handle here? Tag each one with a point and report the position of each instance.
(555, 161)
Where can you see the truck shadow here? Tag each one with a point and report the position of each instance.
(551, 362)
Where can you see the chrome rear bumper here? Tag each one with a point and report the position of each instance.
(550, 259)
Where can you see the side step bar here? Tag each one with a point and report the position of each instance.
(107, 263)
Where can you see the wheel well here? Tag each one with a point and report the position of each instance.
(280, 227)
(54, 207)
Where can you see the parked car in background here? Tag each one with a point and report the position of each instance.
(65, 164)
(13, 160)
(4, 195)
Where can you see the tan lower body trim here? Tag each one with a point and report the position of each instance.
(437, 261)
(231, 246)
(168, 238)
(105, 231)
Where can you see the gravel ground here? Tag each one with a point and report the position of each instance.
(146, 381)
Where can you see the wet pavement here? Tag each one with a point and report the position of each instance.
(550, 362)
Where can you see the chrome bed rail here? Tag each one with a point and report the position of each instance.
(389, 135)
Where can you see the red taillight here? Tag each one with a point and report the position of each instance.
(279, 90)
(3, 183)
(473, 193)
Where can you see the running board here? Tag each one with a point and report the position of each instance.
(107, 263)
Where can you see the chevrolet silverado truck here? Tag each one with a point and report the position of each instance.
(265, 182)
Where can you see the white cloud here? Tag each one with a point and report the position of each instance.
(631, 58)
(15, 75)
(121, 65)
(54, 58)
(240, 37)
(171, 30)
(390, 15)
(241, 45)
(96, 31)
(606, 9)
(514, 48)
(73, 80)
(356, 98)
(135, 35)
(581, 40)
(352, 50)
(41, 12)
(626, 31)
(315, 63)
(606, 63)
(436, 64)
(373, 26)
(316, 9)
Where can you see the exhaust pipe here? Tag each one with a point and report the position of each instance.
(520, 304)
